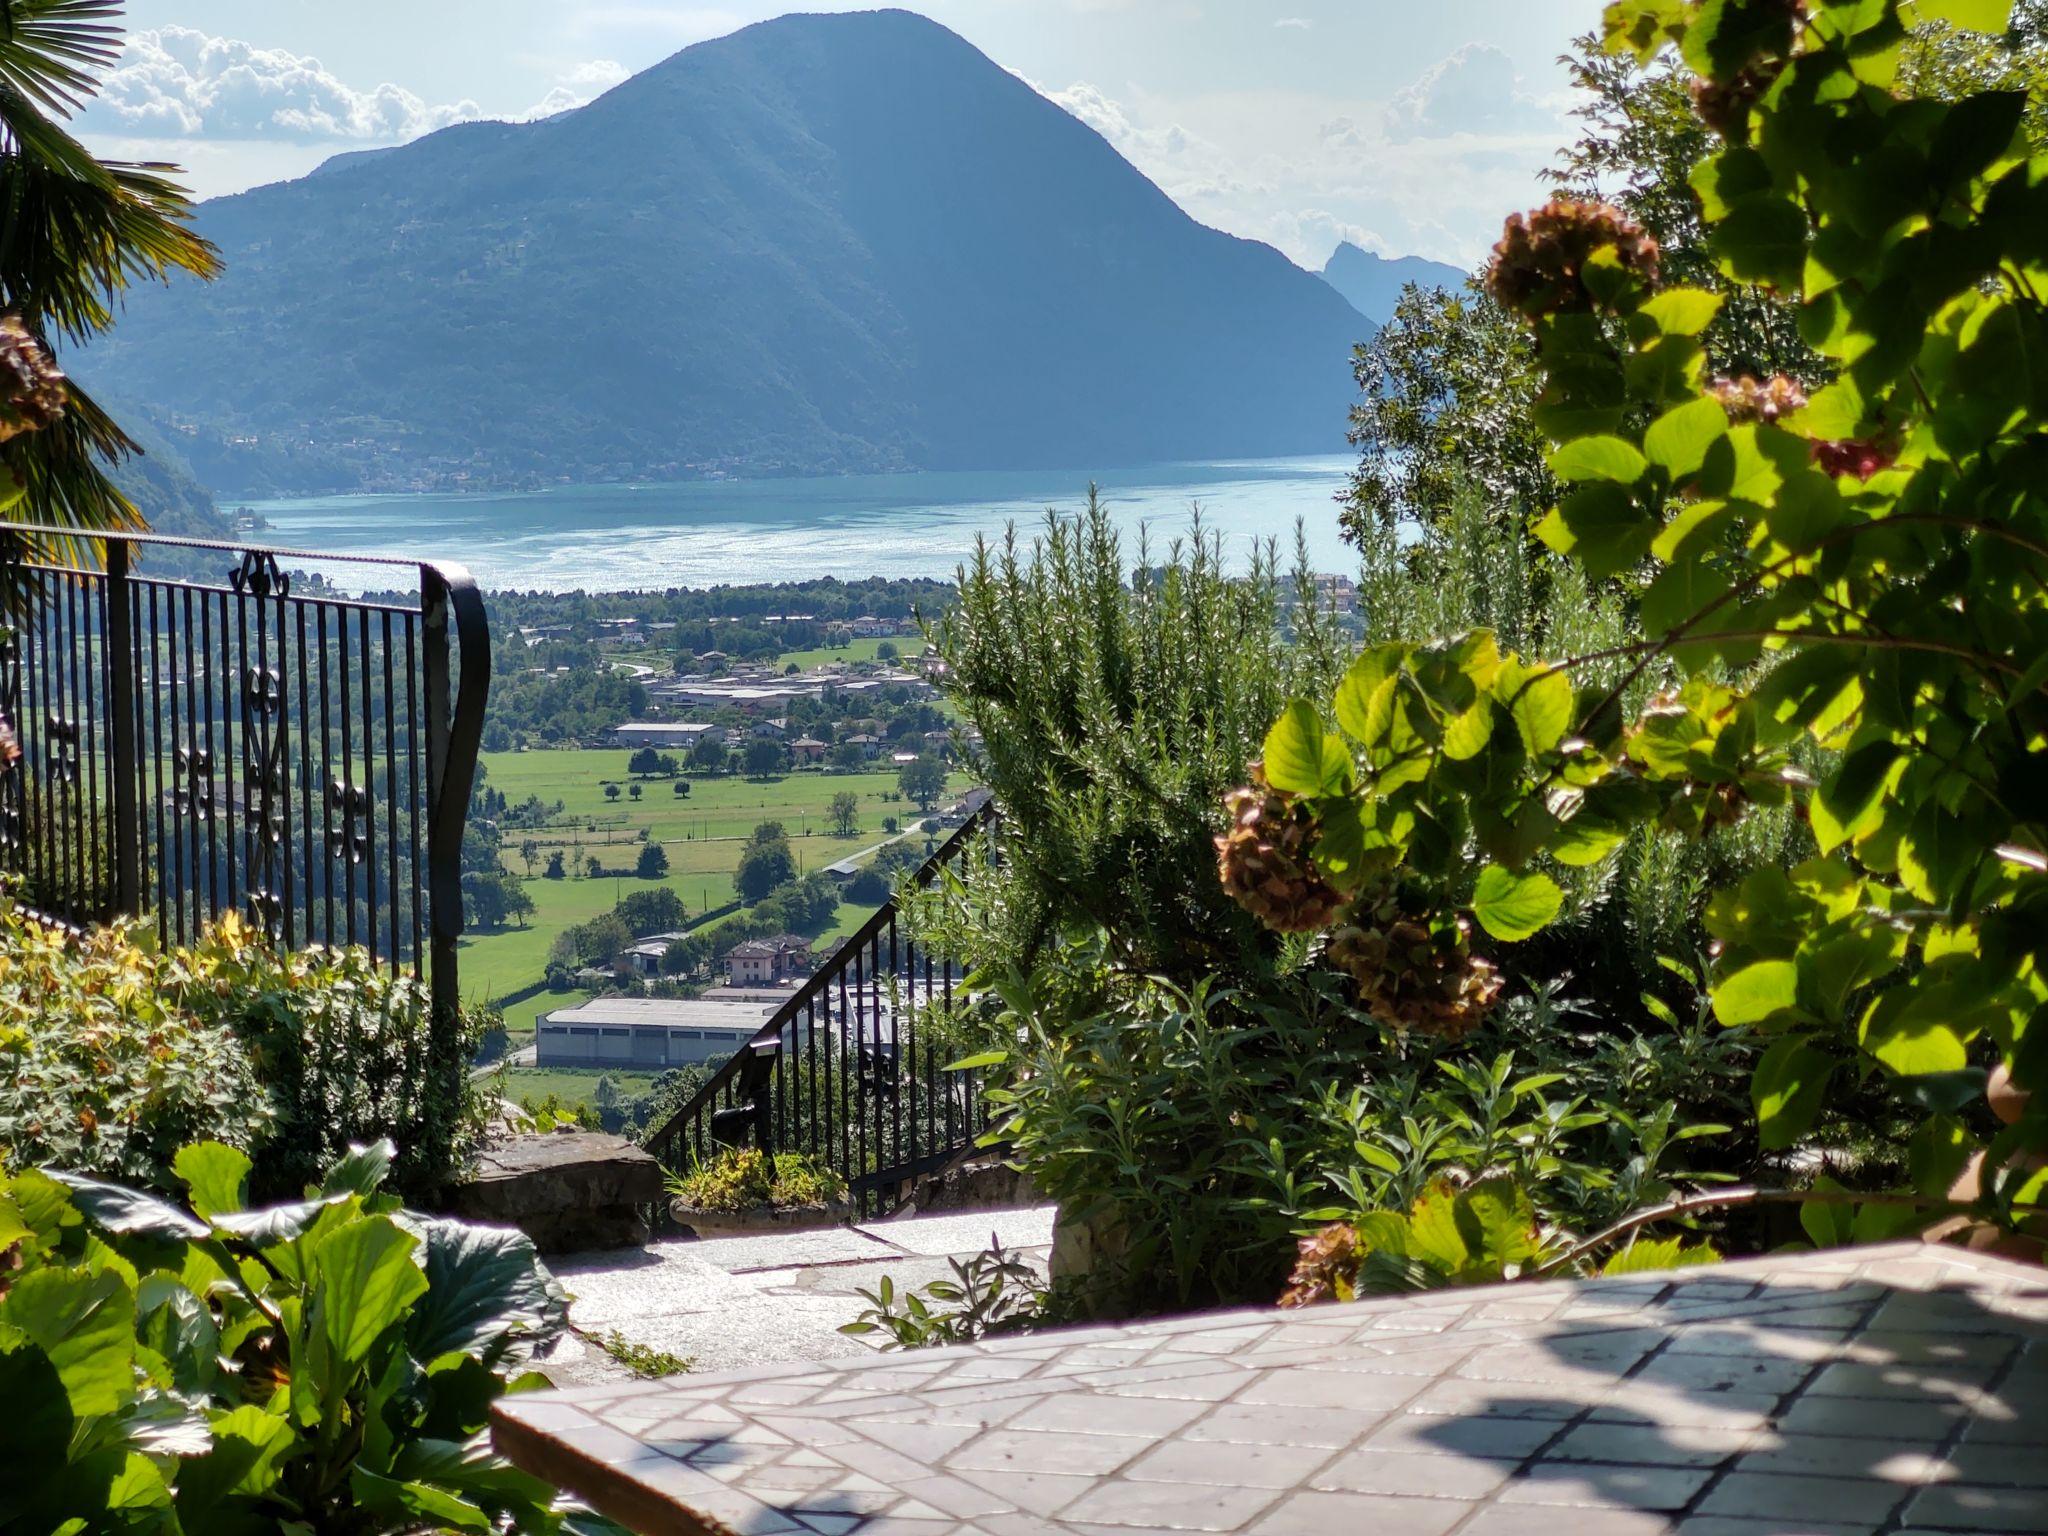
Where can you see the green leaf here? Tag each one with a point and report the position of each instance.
(487, 1287)
(1833, 413)
(1975, 15)
(216, 1177)
(1539, 701)
(1498, 1223)
(249, 1445)
(1786, 1089)
(1599, 458)
(1644, 1256)
(1466, 735)
(976, 1063)
(1938, 1153)
(361, 1170)
(1757, 993)
(1677, 442)
(126, 1213)
(1682, 311)
(1600, 525)
(1512, 907)
(85, 1324)
(366, 1280)
(1301, 758)
(1923, 1030)
(1828, 1223)
(1763, 240)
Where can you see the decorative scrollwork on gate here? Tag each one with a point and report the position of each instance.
(192, 789)
(263, 779)
(259, 576)
(348, 821)
(60, 748)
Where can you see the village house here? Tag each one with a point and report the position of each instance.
(666, 733)
(765, 962)
(645, 957)
(807, 749)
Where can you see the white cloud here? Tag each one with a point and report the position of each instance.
(578, 88)
(1304, 173)
(1473, 91)
(1293, 23)
(175, 82)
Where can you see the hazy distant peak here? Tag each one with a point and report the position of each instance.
(1373, 283)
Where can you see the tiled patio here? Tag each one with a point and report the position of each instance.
(1893, 1389)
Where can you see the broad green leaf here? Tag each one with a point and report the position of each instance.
(1828, 1223)
(85, 1324)
(1682, 311)
(127, 1213)
(1923, 1031)
(1786, 1089)
(1540, 702)
(1365, 678)
(1763, 240)
(1975, 15)
(1757, 993)
(1677, 442)
(1499, 1224)
(1466, 735)
(487, 1287)
(1645, 1256)
(249, 1445)
(216, 1177)
(361, 1170)
(1301, 758)
(1512, 907)
(1600, 525)
(1938, 1153)
(366, 1280)
(1434, 1236)
(1599, 458)
(1832, 413)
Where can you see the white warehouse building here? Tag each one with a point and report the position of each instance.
(645, 1034)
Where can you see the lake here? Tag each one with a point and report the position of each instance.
(701, 533)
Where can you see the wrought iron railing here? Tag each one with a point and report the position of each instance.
(852, 1069)
(265, 746)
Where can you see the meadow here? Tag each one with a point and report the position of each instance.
(702, 833)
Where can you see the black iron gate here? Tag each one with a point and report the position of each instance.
(263, 745)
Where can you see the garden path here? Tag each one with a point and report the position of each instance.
(734, 1302)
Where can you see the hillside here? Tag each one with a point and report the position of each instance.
(1372, 284)
(822, 243)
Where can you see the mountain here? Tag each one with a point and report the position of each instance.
(845, 242)
(1373, 284)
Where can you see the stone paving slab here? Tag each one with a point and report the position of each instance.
(782, 1296)
(1875, 1391)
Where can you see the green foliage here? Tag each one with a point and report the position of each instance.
(741, 1178)
(325, 1365)
(652, 863)
(1446, 389)
(1867, 570)
(645, 1361)
(115, 1055)
(845, 813)
(1115, 703)
(767, 862)
(923, 781)
(992, 1293)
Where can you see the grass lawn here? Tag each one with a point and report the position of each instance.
(573, 1085)
(703, 835)
(853, 650)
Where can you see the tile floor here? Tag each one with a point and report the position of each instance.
(1901, 1389)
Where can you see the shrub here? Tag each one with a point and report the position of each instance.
(115, 1055)
(742, 1178)
(100, 1068)
(326, 1365)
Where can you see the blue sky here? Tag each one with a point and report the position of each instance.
(1409, 125)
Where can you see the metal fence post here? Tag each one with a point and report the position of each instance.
(449, 601)
(117, 646)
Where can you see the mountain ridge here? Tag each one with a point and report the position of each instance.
(822, 243)
(1372, 283)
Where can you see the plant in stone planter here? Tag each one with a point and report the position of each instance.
(743, 1188)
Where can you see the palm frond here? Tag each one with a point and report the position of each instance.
(52, 50)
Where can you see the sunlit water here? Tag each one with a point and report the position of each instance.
(628, 537)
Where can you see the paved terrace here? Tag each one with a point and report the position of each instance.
(1893, 1389)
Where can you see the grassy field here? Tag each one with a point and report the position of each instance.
(573, 1087)
(853, 650)
(703, 835)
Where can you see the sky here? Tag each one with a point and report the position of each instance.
(1408, 126)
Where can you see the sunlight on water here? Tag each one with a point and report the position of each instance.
(611, 538)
